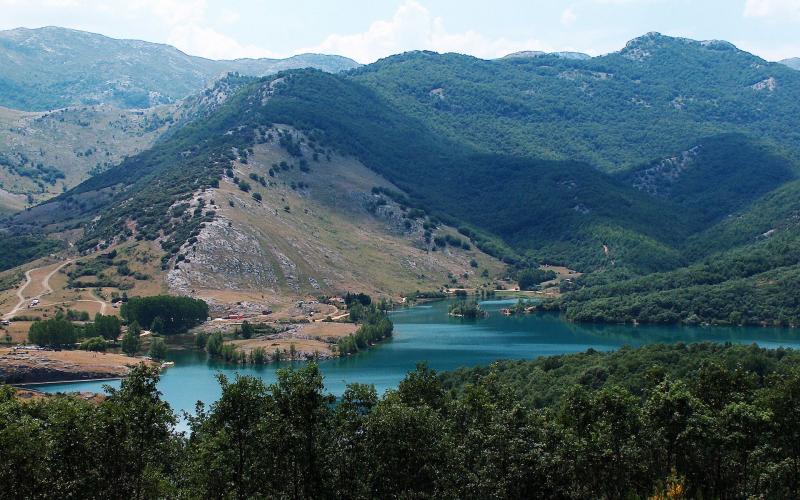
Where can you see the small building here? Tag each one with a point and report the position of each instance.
(338, 302)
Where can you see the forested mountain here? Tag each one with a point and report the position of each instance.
(714, 177)
(48, 68)
(649, 100)
(670, 153)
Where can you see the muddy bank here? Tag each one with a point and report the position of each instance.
(23, 366)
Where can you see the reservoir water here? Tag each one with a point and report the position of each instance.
(426, 333)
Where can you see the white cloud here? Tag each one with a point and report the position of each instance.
(206, 42)
(412, 27)
(189, 30)
(568, 17)
(623, 2)
(173, 12)
(772, 8)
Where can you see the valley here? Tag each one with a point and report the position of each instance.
(233, 267)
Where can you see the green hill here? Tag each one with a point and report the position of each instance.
(514, 172)
(647, 101)
(715, 177)
(554, 210)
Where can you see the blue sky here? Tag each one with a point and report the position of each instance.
(368, 30)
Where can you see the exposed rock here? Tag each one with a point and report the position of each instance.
(769, 84)
(658, 179)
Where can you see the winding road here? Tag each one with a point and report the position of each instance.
(47, 289)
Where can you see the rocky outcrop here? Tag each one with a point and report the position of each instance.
(22, 366)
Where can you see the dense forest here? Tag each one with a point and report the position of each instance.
(710, 421)
(753, 285)
(19, 249)
(165, 314)
(616, 111)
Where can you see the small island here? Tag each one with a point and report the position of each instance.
(467, 309)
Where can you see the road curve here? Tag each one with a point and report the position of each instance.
(45, 284)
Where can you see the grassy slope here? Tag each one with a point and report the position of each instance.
(327, 242)
(75, 141)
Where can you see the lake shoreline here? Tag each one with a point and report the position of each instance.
(19, 366)
(427, 334)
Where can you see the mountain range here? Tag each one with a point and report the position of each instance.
(52, 67)
(665, 171)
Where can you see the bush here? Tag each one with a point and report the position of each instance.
(158, 349)
(214, 344)
(97, 344)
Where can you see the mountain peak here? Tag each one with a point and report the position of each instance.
(538, 53)
(641, 48)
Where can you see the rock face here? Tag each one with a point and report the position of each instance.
(19, 365)
(768, 84)
(659, 178)
(225, 257)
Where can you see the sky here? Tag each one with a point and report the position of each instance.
(367, 30)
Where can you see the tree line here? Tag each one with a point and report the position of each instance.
(59, 331)
(165, 314)
(705, 420)
(375, 326)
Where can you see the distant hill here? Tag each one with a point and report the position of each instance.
(793, 62)
(538, 53)
(42, 154)
(49, 68)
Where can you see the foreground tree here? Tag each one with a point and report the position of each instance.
(137, 450)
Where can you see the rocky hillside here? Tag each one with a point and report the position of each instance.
(286, 226)
(49, 68)
(43, 154)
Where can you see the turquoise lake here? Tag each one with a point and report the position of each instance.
(426, 333)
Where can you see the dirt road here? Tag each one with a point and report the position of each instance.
(47, 289)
